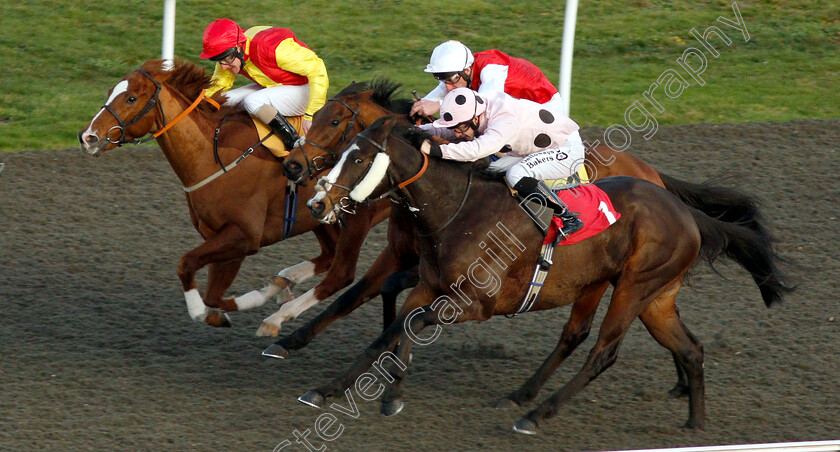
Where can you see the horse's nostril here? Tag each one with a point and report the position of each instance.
(88, 138)
(293, 170)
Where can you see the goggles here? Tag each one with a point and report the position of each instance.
(450, 78)
(227, 57)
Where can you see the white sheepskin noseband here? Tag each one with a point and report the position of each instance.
(377, 172)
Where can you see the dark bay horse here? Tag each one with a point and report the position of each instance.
(477, 252)
(237, 204)
(360, 104)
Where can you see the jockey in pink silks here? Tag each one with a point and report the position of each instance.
(537, 143)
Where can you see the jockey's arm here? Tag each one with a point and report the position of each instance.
(295, 58)
(493, 78)
(221, 81)
(430, 103)
(499, 133)
(444, 133)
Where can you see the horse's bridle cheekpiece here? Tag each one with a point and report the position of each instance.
(123, 125)
(320, 163)
(345, 203)
(150, 104)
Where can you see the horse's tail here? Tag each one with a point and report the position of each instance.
(723, 203)
(750, 248)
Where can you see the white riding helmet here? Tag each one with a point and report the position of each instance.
(460, 105)
(451, 56)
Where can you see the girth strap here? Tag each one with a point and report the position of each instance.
(544, 263)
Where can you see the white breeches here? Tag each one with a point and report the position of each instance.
(558, 163)
(289, 100)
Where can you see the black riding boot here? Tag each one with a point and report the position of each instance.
(280, 126)
(530, 186)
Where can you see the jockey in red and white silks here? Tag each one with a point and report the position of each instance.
(455, 66)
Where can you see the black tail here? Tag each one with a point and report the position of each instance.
(752, 249)
(725, 204)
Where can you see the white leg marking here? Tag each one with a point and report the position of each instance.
(195, 305)
(292, 309)
(254, 298)
(298, 273)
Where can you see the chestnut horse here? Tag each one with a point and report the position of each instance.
(644, 255)
(237, 204)
(347, 113)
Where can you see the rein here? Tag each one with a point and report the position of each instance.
(218, 160)
(152, 102)
(346, 203)
(405, 183)
(454, 215)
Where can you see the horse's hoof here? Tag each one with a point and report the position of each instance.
(505, 404)
(312, 398)
(525, 426)
(694, 425)
(268, 330)
(678, 391)
(392, 408)
(217, 318)
(276, 351)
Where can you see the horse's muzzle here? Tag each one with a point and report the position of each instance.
(293, 171)
(91, 143)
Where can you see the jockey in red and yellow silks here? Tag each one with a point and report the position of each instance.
(289, 78)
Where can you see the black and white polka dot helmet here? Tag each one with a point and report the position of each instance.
(460, 105)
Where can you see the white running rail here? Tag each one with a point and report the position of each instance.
(808, 446)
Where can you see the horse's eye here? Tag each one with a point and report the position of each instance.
(131, 99)
(334, 123)
(359, 161)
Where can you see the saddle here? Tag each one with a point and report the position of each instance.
(273, 142)
(596, 212)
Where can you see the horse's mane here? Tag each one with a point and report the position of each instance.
(187, 78)
(383, 91)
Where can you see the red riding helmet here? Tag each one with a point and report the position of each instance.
(221, 35)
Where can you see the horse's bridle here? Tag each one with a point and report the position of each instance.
(345, 203)
(150, 104)
(123, 125)
(320, 163)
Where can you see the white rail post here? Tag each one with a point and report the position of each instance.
(167, 51)
(566, 52)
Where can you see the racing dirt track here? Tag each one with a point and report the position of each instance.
(99, 352)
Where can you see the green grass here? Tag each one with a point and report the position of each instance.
(59, 59)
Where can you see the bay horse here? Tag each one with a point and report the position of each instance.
(644, 255)
(359, 104)
(236, 204)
